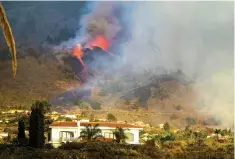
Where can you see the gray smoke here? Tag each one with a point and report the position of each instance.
(196, 37)
(100, 21)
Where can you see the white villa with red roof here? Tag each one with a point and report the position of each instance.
(70, 131)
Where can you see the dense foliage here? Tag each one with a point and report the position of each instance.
(36, 125)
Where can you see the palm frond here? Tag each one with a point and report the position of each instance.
(6, 29)
(97, 136)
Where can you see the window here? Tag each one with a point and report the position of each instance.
(130, 137)
(108, 135)
(66, 135)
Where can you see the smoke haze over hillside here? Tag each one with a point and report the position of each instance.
(195, 37)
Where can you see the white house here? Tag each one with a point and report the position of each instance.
(3, 135)
(70, 131)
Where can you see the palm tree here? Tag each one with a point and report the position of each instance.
(120, 135)
(217, 132)
(91, 132)
(6, 29)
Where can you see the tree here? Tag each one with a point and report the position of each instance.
(188, 132)
(111, 117)
(21, 133)
(217, 132)
(91, 132)
(68, 119)
(166, 127)
(6, 30)
(169, 137)
(36, 126)
(119, 134)
(44, 105)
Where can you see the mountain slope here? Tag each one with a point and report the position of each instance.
(35, 79)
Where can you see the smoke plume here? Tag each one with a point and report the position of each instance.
(195, 37)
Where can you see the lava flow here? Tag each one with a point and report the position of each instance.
(99, 41)
(78, 52)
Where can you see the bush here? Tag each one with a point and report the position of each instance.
(111, 117)
(178, 107)
(166, 127)
(68, 119)
(72, 145)
(162, 93)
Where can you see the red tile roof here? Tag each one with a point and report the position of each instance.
(101, 124)
(106, 124)
(65, 124)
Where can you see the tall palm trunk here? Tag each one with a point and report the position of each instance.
(6, 29)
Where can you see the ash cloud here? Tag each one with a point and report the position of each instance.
(195, 37)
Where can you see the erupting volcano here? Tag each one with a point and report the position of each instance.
(93, 56)
(78, 52)
(99, 41)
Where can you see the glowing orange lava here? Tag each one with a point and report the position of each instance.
(99, 41)
(77, 52)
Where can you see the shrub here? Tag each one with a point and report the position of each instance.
(68, 119)
(162, 93)
(166, 127)
(72, 145)
(178, 107)
(111, 117)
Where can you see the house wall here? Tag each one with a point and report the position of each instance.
(134, 131)
(55, 134)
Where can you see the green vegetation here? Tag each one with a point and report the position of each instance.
(21, 133)
(111, 117)
(161, 143)
(161, 93)
(36, 124)
(178, 107)
(91, 132)
(120, 135)
(166, 127)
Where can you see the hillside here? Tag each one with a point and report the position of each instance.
(35, 79)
